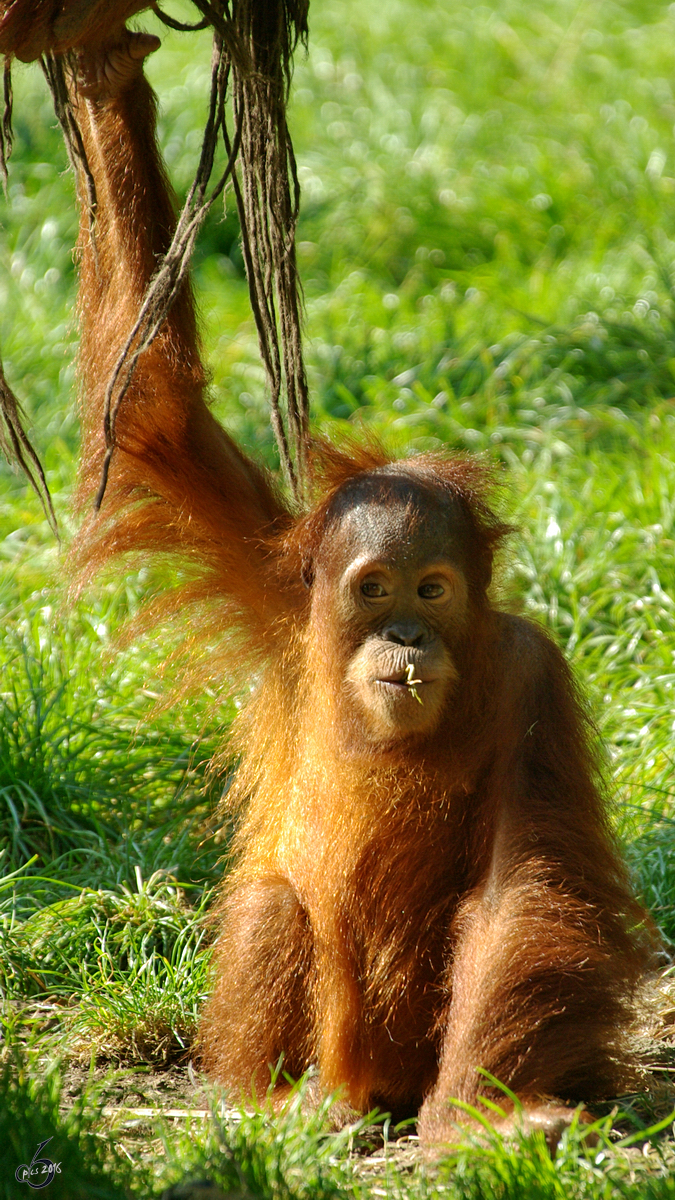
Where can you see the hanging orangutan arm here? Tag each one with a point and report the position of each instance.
(133, 227)
(177, 482)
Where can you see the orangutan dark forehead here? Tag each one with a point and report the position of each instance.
(388, 512)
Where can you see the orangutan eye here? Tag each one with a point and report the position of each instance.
(431, 591)
(372, 590)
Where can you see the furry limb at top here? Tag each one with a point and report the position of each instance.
(251, 64)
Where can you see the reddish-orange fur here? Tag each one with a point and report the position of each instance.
(29, 28)
(397, 916)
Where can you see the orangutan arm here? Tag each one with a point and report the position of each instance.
(177, 482)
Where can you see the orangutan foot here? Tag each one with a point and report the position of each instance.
(446, 1125)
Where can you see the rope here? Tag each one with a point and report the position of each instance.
(268, 203)
(172, 23)
(14, 442)
(6, 135)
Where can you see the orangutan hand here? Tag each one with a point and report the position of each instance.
(106, 70)
(29, 28)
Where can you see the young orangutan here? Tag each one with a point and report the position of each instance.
(425, 882)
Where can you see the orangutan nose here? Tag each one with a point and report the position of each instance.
(404, 633)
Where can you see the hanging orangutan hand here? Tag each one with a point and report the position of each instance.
(106, 70)
(29, 28)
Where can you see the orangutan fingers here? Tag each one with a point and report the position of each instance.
(106, 72)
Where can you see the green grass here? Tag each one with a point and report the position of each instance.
(296, 1157)
(487, 245)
